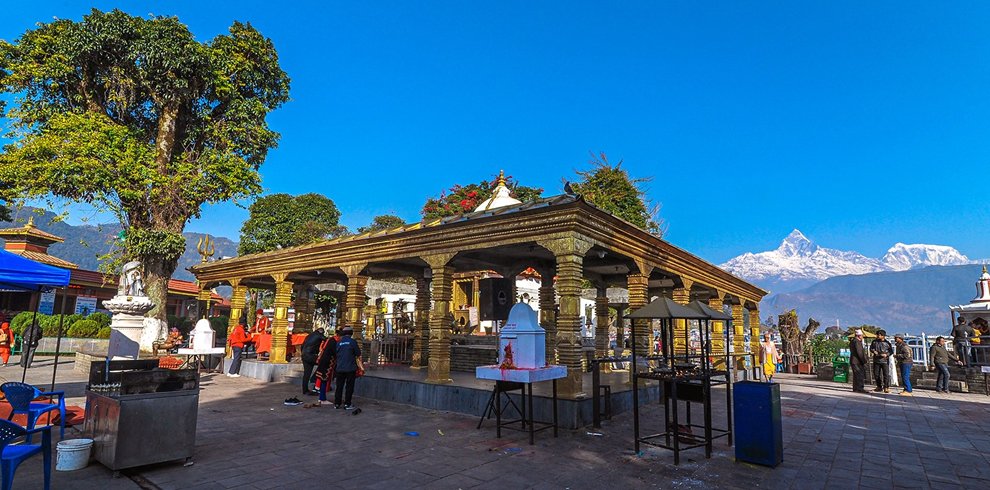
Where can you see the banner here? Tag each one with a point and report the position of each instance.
(47, 304)
(85, 305)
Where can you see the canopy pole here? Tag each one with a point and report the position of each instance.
(635, 381)
(58, 341)
(24, 353)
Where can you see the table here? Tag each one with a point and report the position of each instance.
(196, 357)
(263, 342)
(525, 377)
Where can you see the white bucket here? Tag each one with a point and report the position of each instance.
(72, 454)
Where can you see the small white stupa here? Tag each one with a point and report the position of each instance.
(978, 307)
(500, 198)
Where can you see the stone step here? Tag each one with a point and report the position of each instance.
(954, 385)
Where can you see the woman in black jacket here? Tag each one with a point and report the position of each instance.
(310, 354)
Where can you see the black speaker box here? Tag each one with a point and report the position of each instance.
(495, 298)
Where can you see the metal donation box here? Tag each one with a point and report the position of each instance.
(522, 342)
(759, 436)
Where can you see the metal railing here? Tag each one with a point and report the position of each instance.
(392, 342)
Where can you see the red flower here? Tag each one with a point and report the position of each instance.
(466, 204)
(472, 194)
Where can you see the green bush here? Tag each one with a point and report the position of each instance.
(83, 329)
(219, 325)
(101, 318)
(183, 324)
(104, 333)
(72, 319)
(21, 321)
(50, 324)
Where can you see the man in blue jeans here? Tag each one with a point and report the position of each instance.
(940, 358)
(905, 359)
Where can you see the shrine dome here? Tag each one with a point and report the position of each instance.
(500, 198)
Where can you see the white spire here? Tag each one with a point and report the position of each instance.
(983, 288)
(500, 198)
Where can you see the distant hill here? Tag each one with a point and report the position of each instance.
(85, 243)
(904, 301)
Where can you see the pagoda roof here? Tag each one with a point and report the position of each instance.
(44, 258)
(30, 232)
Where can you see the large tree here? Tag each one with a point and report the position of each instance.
(382, 222)
(281, 221)
(136, 116)
(610, 188)
(461, 199)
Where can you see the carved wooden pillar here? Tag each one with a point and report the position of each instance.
(738, 335)
(718, 332)
(354, 299)
(421, 325)
(439, 342)
(237, 302)
(303, 305)
(548, 312)
(280, 325)
(682, 296)
(601, 320)
(569, 253)
(203, 300)
(754, 330)
(638, 286)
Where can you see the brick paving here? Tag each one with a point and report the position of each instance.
(832, 438)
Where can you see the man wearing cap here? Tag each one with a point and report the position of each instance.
(857, 360)
(881, 351)
(905, 359)
(940, 358)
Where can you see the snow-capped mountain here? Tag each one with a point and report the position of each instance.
(903, 257)
(798, 262)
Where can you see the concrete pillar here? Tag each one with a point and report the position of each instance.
(440, 316)
(548, 311)
(280, 325)
(569, 348)
(237, 303)
(421, 325)
(601, 320)
(682, 296)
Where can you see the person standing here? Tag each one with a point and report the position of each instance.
(238, 339)
(769, 357)
(858, 362)
(29, 344)
(940, 358)
(960, 340)
(905, 360)
(348, 355)
(6, 340)
(325, 363)
(880, 351)
(310, 354)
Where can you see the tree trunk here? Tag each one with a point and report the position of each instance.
(156, 275)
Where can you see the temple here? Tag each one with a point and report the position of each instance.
(564, 240)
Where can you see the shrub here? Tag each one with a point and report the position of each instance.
(183, 324)
(50, 325)
(72, 319)
(21, 321)
(104, 333)
(101, 318)
(84, 329)
(219, 325)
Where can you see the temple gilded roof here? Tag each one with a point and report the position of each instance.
(30, 233)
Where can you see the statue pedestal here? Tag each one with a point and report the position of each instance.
(127, 325)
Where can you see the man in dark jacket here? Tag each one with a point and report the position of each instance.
(310, 352)
(940, 358)
(880, 351)
(961, 333)
(858, 361)
(348, 355)
(29, 344)
(905, 359)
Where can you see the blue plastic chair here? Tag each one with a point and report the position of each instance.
(20, 396)
(14, 454)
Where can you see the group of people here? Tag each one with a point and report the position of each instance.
(964, 335)
(327, 360)
(879, 355)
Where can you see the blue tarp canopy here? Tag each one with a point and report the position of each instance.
(20, 274)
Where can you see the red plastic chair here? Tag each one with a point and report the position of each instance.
(20, 397)
(14, 454)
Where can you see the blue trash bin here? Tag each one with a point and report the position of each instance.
(759, 438)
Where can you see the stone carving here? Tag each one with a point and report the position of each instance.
(131, 282)
(794, 339)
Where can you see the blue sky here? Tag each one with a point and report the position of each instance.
(860, 124)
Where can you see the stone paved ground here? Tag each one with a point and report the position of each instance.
(832, 439)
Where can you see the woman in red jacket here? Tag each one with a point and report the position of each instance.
(238, 339)
(6, 340)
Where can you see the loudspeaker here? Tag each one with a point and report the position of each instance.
(495, 298)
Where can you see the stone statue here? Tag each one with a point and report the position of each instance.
(131, 283)
(794, 339)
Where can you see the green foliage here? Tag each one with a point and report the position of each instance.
(183, 324)
(21, 321)
(822, 347)
(461, 199)
(135, 116)
(102, 319)
(5, 213)
(281, 221)
(104, 333)
(611, 189)
(382, 222)
(83, 329)
(219, 325)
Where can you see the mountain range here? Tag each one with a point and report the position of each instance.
(909, 289)
(84, 244)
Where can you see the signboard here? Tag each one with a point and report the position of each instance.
(985, 369)
(85, 305)
(473, 317)
(47, 304)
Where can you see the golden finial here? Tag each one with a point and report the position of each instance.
(984, 268)
(30, 223)
(501, 178)
(205, 247)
